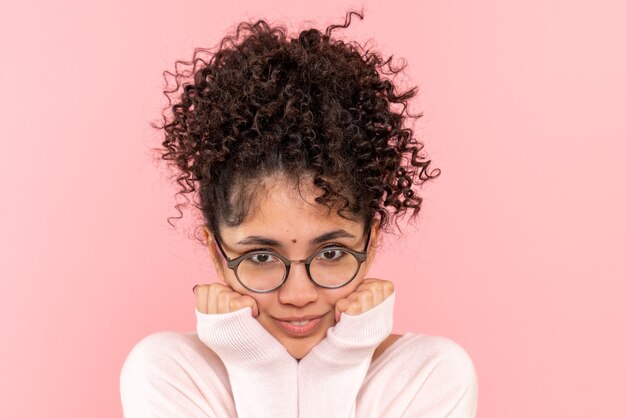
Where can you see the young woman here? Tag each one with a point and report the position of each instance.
(298, 153)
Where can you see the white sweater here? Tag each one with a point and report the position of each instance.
(232, 367)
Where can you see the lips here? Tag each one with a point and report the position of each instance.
(300, 318)
(307, 327)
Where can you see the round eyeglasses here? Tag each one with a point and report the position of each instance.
(264, 271)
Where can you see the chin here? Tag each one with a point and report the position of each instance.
(299, 352)
(299, 347)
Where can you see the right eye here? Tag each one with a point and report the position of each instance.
(262, 258)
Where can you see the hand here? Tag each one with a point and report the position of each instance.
(370, 293)
(216, 298)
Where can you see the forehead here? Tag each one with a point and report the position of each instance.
(286, 211)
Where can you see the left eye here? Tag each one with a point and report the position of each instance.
(330, 255)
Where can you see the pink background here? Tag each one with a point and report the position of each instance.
(518, 253)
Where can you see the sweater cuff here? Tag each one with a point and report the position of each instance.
(259, 366)
(237, 337)
(355, 337)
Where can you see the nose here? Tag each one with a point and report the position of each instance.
(298, 289)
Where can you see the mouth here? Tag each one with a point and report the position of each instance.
(300, 328)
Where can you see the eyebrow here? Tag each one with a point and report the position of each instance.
(259, 240)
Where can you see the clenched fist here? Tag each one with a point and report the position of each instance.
(370, 293)
(216, 298)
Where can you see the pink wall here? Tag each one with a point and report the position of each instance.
(518, 254)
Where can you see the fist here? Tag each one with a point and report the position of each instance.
(216, 298)
(370, 293)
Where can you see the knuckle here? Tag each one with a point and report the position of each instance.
(367, 296)
(353, 307)
(212, 288)
(222, 297)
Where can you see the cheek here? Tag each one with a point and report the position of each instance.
(231, 280)
(263, 300)
(333, 295)
(266, 302)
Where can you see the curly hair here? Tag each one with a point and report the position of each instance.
(264, 104)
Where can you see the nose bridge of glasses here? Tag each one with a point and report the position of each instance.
(292, 272)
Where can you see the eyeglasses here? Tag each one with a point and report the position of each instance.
(264, 271)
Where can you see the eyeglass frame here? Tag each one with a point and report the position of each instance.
(233, 264)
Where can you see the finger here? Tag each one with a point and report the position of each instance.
(348, 305)
(340, 306)
(378, 293)
(211, 298)
(365, 303)
(354, 306)
(388, 288)
(370, 285)
(223, 302)
(201, 293)
(238, 303)
(247, 300)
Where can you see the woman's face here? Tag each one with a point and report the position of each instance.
(293, 221)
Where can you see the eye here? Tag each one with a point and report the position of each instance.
(262, 258)
(330, 255)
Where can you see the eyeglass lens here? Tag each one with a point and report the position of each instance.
(328, 268)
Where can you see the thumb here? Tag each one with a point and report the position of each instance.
(251, 302)
(340, 306)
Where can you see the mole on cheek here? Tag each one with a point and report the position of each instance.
(293, 240)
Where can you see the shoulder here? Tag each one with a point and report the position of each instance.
(438, 347)
(435, 369)
(157, 346)
(166, 353)
(434, 352)
(174, 374)
(389, 341)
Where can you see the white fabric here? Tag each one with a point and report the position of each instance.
(232, 367)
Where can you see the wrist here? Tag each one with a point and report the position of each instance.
(237, 337)
(355, 337)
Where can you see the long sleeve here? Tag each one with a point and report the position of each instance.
(331, 374)
(172, 375)
(263, 375)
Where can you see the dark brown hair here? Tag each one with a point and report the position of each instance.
(266, 104)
